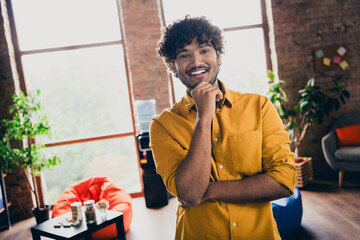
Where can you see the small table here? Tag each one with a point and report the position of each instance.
(84, 230)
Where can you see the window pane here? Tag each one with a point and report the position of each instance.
(84, 91)
(179, 89)
(113, 158)
(244, 63)
(57, 23)
(225, 13)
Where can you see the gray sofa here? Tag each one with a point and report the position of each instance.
(346, 158)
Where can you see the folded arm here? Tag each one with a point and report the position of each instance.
(258, 188)
(192, 176)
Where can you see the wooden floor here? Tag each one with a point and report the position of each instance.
(329, 213)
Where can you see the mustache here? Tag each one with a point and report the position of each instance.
(194, 68)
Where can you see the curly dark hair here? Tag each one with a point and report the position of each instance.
(183, 32)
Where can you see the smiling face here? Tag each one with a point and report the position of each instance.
(195, 63)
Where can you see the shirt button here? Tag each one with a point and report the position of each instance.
(221, 166)
(216, 139)
(234, 224)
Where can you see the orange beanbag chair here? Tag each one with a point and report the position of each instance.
(97, 188)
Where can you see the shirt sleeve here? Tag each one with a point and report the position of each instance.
(278, 160)
(168, 154)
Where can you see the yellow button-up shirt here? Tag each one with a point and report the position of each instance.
(248, 138)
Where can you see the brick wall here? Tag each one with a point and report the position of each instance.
(149, 76)
(18, 192)
(7, 87)
(300, 26)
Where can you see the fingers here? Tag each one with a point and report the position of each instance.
(208, 89)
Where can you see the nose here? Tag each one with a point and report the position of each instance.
(197, 59)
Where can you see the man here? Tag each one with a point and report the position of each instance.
(225, 155)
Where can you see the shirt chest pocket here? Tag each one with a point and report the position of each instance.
(245, 152)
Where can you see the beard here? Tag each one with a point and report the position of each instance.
(191, 86)
(216, 75)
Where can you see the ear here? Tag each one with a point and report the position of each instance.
(172, 67)
(218, 54)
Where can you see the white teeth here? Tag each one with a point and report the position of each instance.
(198, 72)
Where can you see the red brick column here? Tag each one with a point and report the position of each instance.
(142, 27)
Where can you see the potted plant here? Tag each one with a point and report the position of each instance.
(314, 105)
(18, 147)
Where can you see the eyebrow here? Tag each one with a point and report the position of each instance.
(181, 50)
(206, 45)
(201, 46)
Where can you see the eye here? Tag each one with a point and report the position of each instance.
(204, 51)
(184, 55)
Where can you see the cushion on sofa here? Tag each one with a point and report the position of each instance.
(348, 135)
(350, 154)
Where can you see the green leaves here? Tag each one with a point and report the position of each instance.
(271, 76)
(311, 82)
(313, 106)
(276, 94)
(28, 121)
(345, 93)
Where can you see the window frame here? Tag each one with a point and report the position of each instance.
(19, 68)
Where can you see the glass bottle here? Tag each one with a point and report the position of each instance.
(90, 214)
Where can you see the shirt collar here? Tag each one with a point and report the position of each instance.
(227, 100)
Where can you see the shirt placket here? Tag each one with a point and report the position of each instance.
(223, 171)
(216, 147)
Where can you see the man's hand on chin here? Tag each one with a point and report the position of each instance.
(205, 97)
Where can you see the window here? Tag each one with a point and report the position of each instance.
(246, 59)
(72, 50)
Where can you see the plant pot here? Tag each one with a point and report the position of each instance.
(41, 214)
(304, 170)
